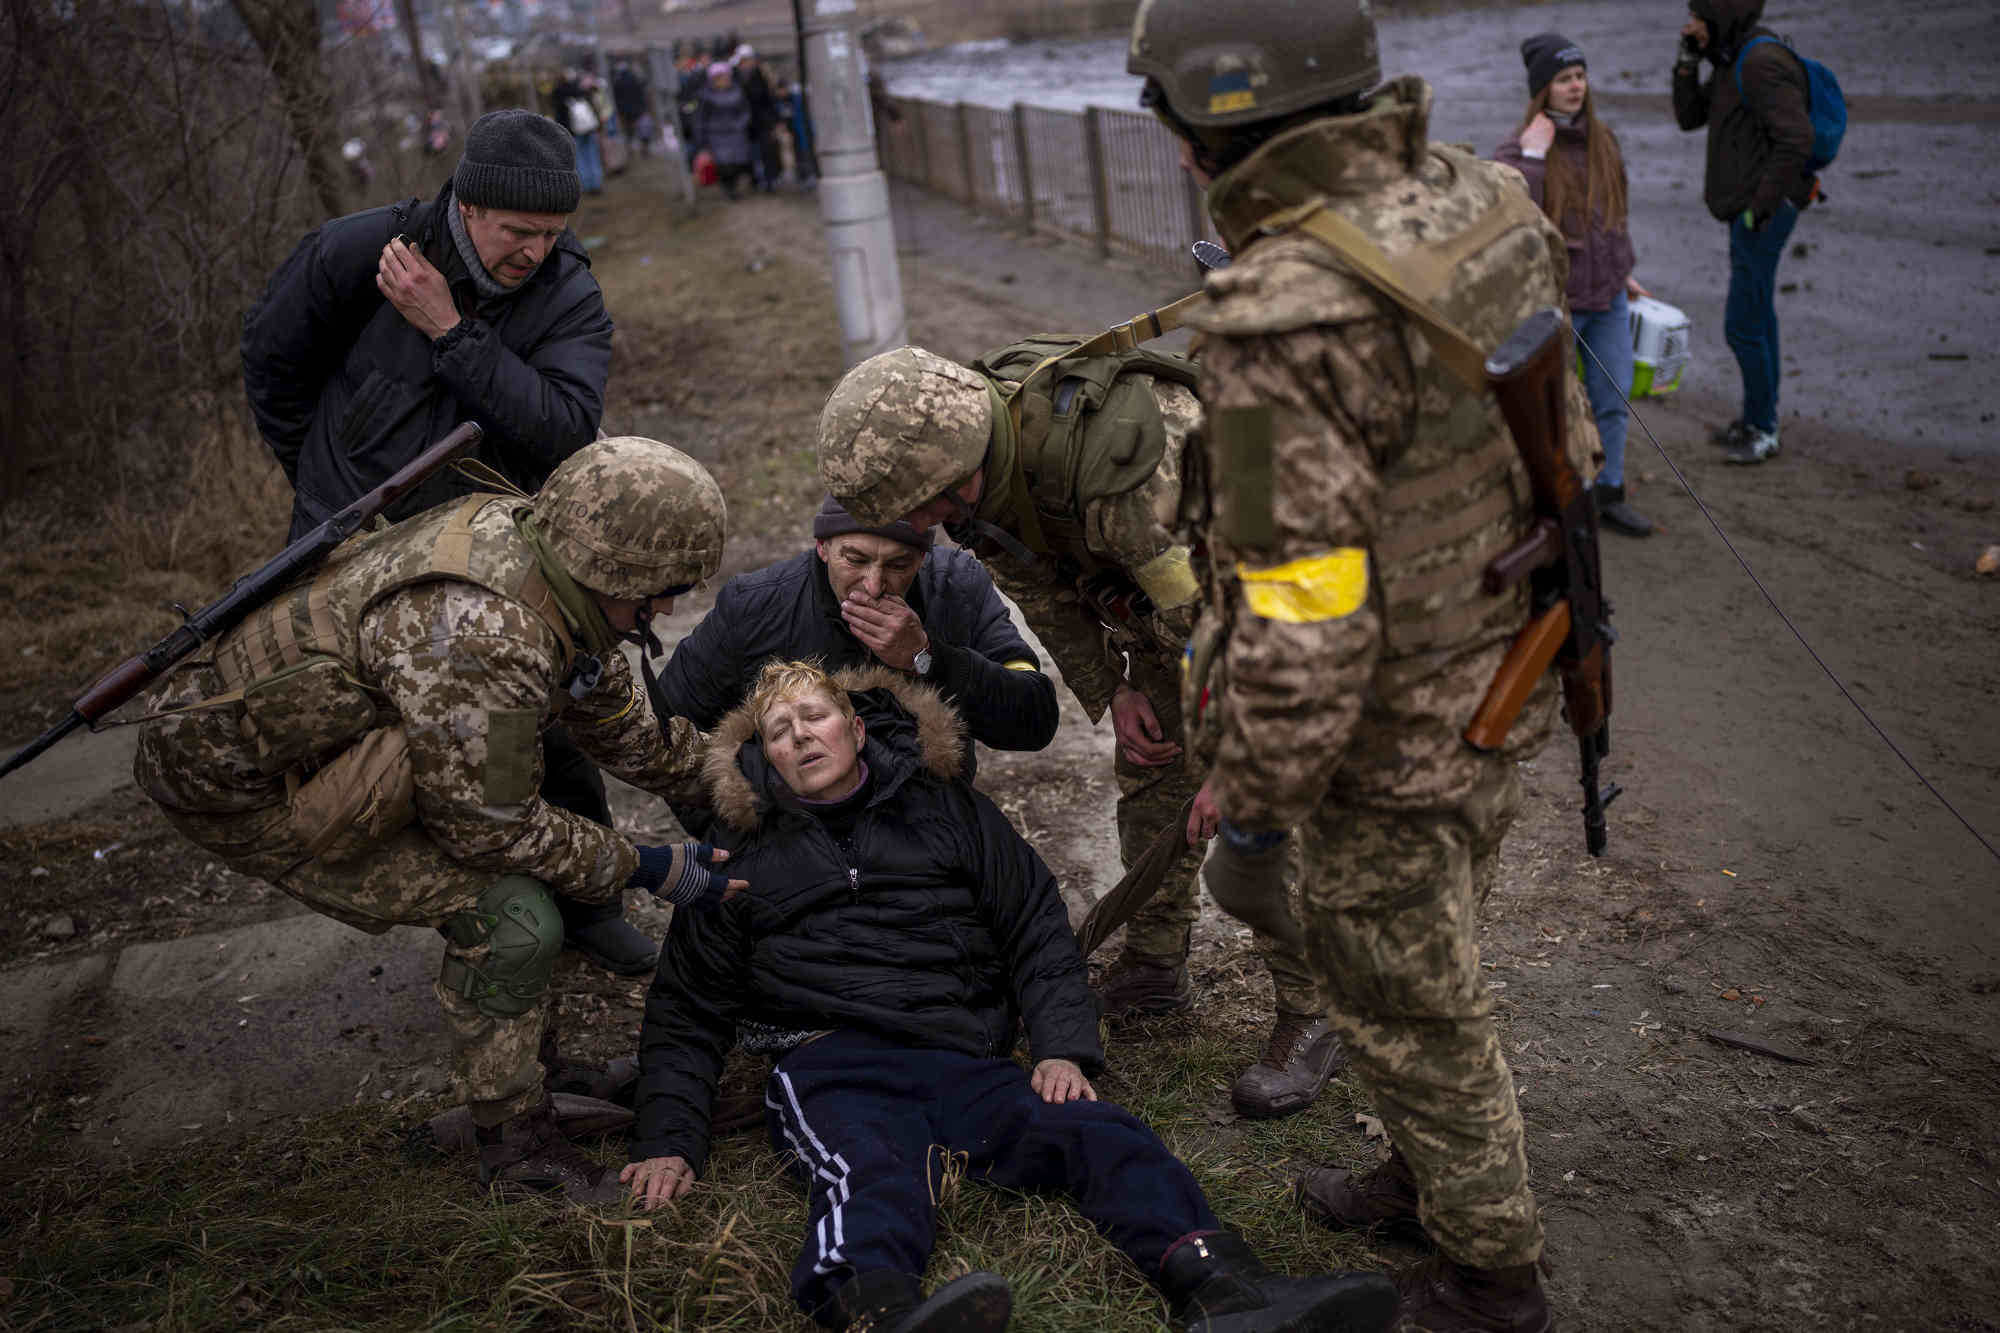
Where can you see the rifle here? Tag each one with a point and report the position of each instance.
(1571, 625)
(114, 688)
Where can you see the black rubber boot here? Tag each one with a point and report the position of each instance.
(1216, 1285)
(891, 1302)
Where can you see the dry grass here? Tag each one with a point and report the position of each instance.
(338, 1224)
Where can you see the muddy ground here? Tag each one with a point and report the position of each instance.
(1757, 1044)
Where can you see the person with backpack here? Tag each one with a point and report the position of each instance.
(1575, 171)
(1758, 110)
(1061, 470)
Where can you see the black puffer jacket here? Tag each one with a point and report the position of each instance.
(943, 931)
(1759, 141)
(788, 611)
(346, 391)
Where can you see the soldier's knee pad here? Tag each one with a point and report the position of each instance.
(517, 919)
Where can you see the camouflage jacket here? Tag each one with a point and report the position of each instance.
(1349, 489)
(1131, 534)
(473, 677)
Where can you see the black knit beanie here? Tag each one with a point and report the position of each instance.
(832, 521)
(517, 160)
(1546, 55)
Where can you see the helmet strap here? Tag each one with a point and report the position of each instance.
(580, 611)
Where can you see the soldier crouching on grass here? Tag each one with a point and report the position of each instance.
(369, 742)
(898, 934)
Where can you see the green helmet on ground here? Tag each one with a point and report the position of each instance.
(899, 430)
(630, 517)
(1225, 65)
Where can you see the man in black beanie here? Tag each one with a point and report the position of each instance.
(388, 327)
(864, 595)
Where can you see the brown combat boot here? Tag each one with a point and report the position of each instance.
(1140, 984)
(1300, 1057)
(1384, 1199)
(1443, 1296)
(529, 1150)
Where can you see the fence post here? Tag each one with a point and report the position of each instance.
(920, 110)
(1100, 188)
(1025, 171)
(1197, 213)
(965, 157)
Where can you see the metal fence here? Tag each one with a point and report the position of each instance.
(1109, 177)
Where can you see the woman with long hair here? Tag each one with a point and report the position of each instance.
(1576, 172)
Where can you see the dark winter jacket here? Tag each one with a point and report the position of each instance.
(1600, 254)
(1758, 142)
(940, 928)
(722, 125)
(346, 391)
(788, 611)
(763, 104)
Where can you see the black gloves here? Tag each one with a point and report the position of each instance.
(682, 874)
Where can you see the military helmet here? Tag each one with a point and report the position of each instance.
(899, 430)
(631, 517)
(1223, 65)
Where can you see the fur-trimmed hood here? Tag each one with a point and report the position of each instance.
(909, 728)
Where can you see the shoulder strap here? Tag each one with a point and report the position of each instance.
(1458, 353)
(1738, 65)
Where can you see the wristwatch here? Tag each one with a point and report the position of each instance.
(921, 662)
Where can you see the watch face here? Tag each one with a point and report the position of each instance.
(922, 662)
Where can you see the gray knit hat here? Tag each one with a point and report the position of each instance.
(518, 160)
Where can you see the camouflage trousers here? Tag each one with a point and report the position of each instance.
(1391, 906)
(404, 880)
(1149, 799)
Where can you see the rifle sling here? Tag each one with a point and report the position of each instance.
(1141, 882)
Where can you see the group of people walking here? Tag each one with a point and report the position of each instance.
(1263, 565)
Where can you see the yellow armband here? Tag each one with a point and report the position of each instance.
(1303, 592)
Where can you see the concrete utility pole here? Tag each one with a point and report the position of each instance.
(853, 192)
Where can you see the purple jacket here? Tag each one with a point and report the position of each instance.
(1600, 255)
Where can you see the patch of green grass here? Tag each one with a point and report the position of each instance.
(337, 1225)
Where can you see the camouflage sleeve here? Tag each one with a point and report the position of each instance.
(615, 725)
(1290, 541)
(1068, 630)
(475, 678)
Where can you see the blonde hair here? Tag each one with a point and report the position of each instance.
(779, 681)
(1603, 184)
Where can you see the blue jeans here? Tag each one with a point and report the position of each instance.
(1608, 335)
(589, 163)
(1750, 318)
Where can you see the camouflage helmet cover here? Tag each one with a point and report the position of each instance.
(630, 516)
(1224, 65)
(899, 430)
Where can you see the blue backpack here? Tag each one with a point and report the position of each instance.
(1824, 103)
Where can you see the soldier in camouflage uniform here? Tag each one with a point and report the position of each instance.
(369, 742)
(909, 435)
(1351, 491)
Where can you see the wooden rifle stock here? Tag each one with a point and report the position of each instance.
(115, 687)
(1572, 626)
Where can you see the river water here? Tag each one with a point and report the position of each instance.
(1901, 270)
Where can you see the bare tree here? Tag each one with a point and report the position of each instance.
(288, 34)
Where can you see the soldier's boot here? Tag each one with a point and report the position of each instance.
(1214, 1284)
(1143, 984)
(1384, 1199)
(886, 1301)
(530, 1151)
(614, 944)
(613, 1082)
(1443, 1296)
(1302, 1054)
